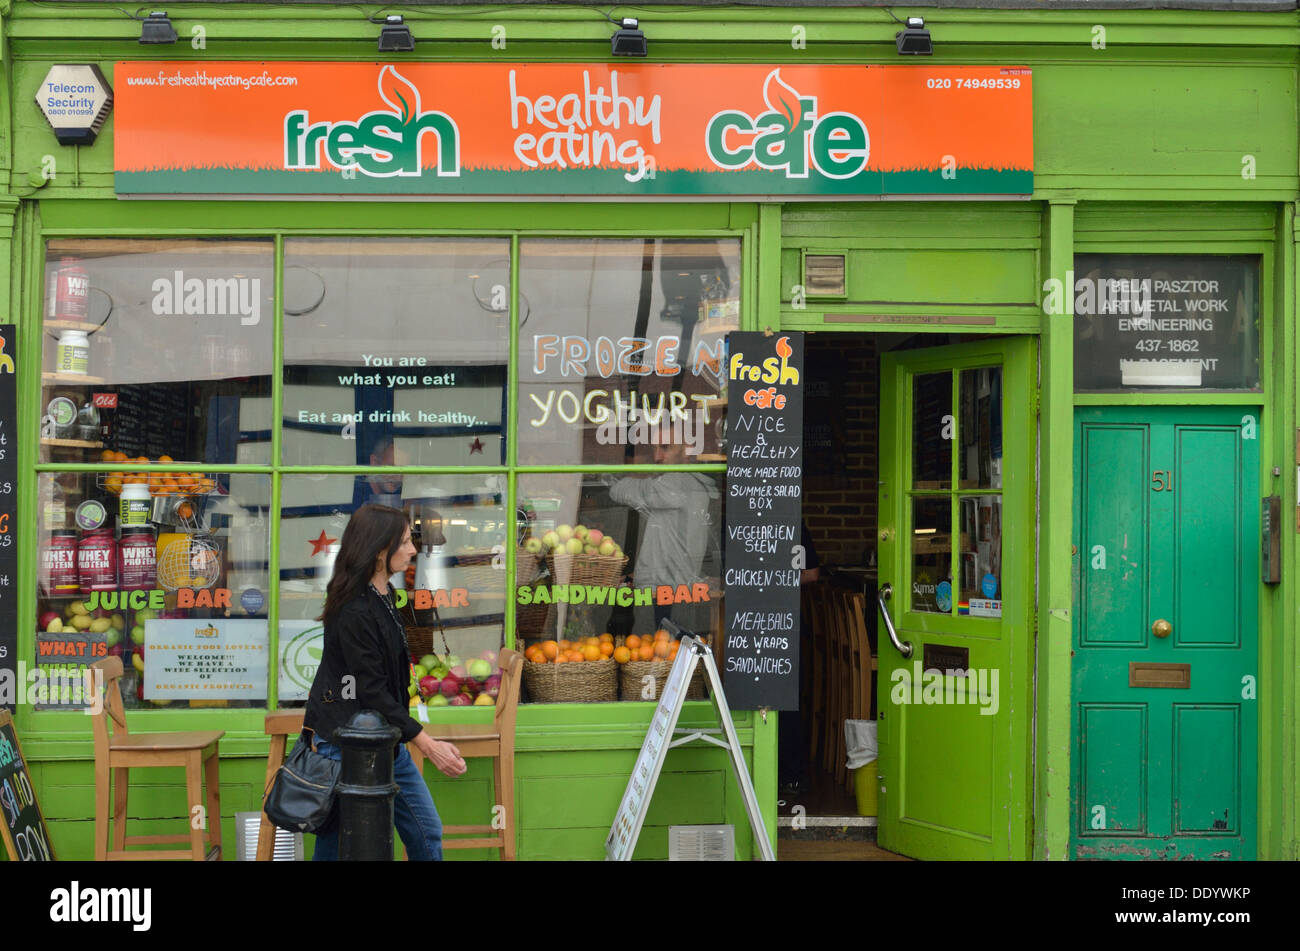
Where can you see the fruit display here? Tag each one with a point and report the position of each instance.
(159, 483)
(574, 540)
(447, 681)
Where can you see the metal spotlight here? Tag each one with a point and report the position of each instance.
(395, 36)
(915, 39)
(629, 40)
(157, 28)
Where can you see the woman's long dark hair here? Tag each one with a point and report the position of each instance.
(372, 530)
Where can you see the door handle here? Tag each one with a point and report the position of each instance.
(1161, 628)
(884, 594)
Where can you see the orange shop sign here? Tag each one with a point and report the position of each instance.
(571, 129)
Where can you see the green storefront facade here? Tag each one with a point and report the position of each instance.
(1163, 148)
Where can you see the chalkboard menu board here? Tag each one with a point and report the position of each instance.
(765, 397)
(1145, 321)
(8, 519)
(22, 827)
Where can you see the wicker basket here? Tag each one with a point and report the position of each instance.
(586, 569)
(631, 678)
(525, 566)
(474, 571)
(593, 681)
(530, 619)
(420, 641)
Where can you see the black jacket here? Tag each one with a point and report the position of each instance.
(364, 642)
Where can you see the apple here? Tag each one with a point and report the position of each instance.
(564, 532)
(490, 656)
(580, 531)
(137, 634)
(55, 626)
(114, 637)
(81, 622)
(471, 687)
(429, 661)
(533, 546)
(438, 700)
(595, 536)
(412, 690)
(450, 685)
(450, 661)
(479, 669)
(607, 548)
(419, 672)
(493, 686)
(115, 650)
(46, 617)
(551, 540)
(429, 686)
(590, 550)
(147, 614)
(483, 700)
(573, 546)
(459, 672)
(460, 700)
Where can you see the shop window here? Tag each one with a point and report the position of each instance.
(605, 559)
(451, 598)
(167, 571)
(395, 351)
(621, 346)
(157, 350)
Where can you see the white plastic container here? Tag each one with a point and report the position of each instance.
(136, 501)
(73, 353)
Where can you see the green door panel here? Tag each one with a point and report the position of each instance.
(1167, 530)
(956, 548)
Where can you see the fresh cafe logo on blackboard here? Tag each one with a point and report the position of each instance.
(381, 143)
(790, 136)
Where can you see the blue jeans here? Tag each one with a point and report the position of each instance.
(414, 814)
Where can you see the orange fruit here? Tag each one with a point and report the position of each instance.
(606, 648)
(119, 456)
(661, 649)
(591, 652)
(647, 652)
(661, 635)
(561, 659)
(633, 642)
(591, 642)
(164, 458)
(606, 638)
(550, 649)
(183, 480)
(537, 657)
(107, 456)
(565, 645)
(622, 655)
(113, 484)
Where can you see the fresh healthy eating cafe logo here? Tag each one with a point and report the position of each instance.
(790, 136)
(380, 144)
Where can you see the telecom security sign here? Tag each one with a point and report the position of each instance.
(75, 99)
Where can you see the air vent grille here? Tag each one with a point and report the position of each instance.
(824, 275)
(702, 843)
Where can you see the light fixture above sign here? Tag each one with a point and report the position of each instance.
(75, 99)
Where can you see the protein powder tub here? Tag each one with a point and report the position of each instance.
(138, 558)
(59, 564)
(97, 561)
(134, 505)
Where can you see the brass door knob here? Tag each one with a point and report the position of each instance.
(1161, 628)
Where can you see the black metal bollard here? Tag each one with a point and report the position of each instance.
(366, 788)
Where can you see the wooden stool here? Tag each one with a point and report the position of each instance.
(280, 725)
(496, 740)
(117, 751)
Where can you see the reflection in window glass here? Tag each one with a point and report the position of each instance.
(168, 572)
(981, 428)
(604, 555)
(981, 556)
(157, 349)
(932, 555)
(395, 351)
(621, 345)
(452, 595)
(932, 431)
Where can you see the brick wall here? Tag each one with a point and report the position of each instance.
(840, 429)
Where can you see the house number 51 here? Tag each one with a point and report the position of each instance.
(1163, 480)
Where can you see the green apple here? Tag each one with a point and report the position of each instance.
(595, 537)
(573, 546)
(580, 531)
(533, 546)
(451, 661)
(137, 634)
(419, 671)
(114, 637)
(438, 700)
(428, 662)
(147, 614)
(564, 532)
(607, 548)
(551, 540)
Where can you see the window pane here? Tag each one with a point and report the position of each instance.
(395, 351)
(932, 431)
(607, 555)
(932, 555)
(157, 348)
(621, 343)
(452, 595)
(981, 556)
(171, 578)
(981, 428)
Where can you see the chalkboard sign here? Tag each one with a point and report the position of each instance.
(22, 827)
(1145, 321)
(8, 520)
(765, 397)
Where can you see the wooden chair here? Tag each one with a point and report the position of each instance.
(117, 751)
(280, 725)
(815, 720)
(495, 740)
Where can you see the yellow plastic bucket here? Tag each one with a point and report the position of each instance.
(866, 789)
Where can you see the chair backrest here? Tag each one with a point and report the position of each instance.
(512, 666)
(110, 721)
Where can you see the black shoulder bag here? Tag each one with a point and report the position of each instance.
(301, 798)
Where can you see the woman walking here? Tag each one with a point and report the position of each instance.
(366, 666)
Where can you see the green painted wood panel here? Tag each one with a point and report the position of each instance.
(1166, 772)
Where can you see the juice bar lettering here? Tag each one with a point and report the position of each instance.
(1163, 320)
(764, 490)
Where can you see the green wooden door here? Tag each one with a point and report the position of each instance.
(1166, 632)
(956, 551)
